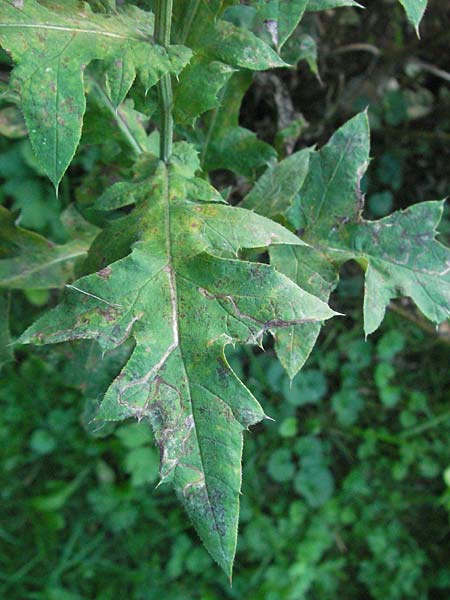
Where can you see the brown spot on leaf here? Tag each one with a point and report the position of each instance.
(109, 314)
(104, 273)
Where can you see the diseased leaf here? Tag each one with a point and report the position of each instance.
(219, 47)
(29, 261)
(399, 253)
(52, 56)
(274, 192)
(415, 9)
(282, 18)
(313, 272)
(235, 46)
(183, 294)
(201, 74)
(302, 46)
(404, 259)
(330, 195)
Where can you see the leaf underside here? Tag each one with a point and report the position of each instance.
(183, 294)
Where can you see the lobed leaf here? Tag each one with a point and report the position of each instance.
(404, 259)
(52, 49)
(220, 48)
(183, 294)
(274, 192)
(400, 254)
(315, 273)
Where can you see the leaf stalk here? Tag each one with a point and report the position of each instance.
(163, 23)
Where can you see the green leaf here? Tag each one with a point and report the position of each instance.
(400, 254)
(227, 144)
(312, 271)
(317, 5)
(29, 261)
(330, 195)
(206, 76)
(404, 259)
(283, 18)
(274, 192)
(415, 10)
(220, 48)
(235, 46)
(183, 294)
(273, 195)
(53, 48)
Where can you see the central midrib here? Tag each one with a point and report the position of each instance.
(66, 29)
(177, 342)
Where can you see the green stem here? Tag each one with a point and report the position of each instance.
(163, 22)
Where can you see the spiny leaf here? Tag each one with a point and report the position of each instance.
(399, 253)
(52, 49)
(415, 10)
(317, 5)
(313, 272)
(402, 256)
(29, 261)
(404, 259)
(183, 294)
(330, 195)
(274, 192)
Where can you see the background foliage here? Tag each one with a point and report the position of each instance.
(348, 491)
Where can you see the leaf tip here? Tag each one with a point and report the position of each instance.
(269, 418)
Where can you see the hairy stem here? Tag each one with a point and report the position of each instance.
(163, 22)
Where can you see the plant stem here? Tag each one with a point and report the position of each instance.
(163, 22)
